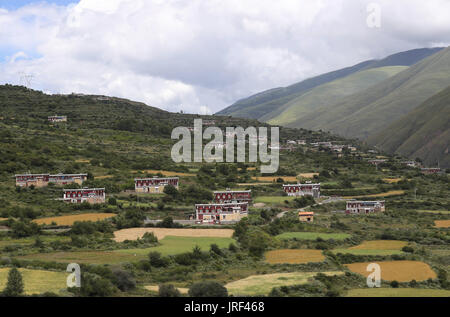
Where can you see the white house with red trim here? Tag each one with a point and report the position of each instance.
(154, 184)
(89, 195)
(220, 213)
(228, 196)
(307, 189)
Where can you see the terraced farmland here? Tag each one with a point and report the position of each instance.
(293, 256)
(313, 236)
(71, 219)
(400, 271)
(262, 284)
(38, 281)
(375, 247)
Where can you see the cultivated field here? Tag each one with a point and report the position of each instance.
(171, 245)
(397, 292)
(375, 247)
(292, 256)
(6, 241)
(273, 199)
(308, 175)
(167, 173)
(444, 212)
(160, 233)
(155, 288)
(262, 284)
(386, 194)
(71, 219)
(401, 271)
(442, 223)
(274, 178)
(37, 281)
(391, 180)
(3, 219)
(91, 257)
(312, 236)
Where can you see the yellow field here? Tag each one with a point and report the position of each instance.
(3, 219)
(400, 271)
(397, 292)
(166, 173)
(262, 284)
(308, 175)
(292, 256)
(254, 184)
(155, 288)
(69, 220)
(442, 223)
(386, 194)
(274, 178)
(392, 180)
(160, 233)
(104, 177)
(38, 281)
(380, 245)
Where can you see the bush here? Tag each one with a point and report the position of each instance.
(208, 289)
(156, 260)
(168, 290)
(93, 285)
(123, 280)
(394, 284)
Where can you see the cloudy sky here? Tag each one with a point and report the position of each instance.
(200, 56)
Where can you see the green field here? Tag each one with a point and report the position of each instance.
(397, 292)
(28, 241)
(169, 246)
(312, 236)
(263, 284)
(37, 281)
(174, 245)
(367, 252)
(273, 199)
(444, 212)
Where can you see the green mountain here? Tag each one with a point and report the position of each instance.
(268, 104)
(328, 94)
(368, 112)
(424, 132)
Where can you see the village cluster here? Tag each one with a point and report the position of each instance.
(228, 206)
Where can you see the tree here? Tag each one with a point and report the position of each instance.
(123, 280)
(208, 289)
(168, 290)
(394, 284)
(14, 286)
(171, 191)
(156, 260)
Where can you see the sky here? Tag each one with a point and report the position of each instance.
(200, 56)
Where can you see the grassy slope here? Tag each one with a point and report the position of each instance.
(38, 281)
(368, 112)
(330, 93)
(397, 292)
(260, 104)
(424, 132)
(270, 103)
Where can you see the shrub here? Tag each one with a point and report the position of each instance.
(168, 290)
(208, 289)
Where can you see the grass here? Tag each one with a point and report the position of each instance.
(160, 233)
(400, 271)
(38, 281)
(27, 241)
(171, 245)
(91, 257)
(397, 292)
(444, 212)
(442, 223)
(312, 236)
(375, 247)
(386, 194)
(292, 256)
(273, 199)
(71, 219)
(262, 284)
(167, 173)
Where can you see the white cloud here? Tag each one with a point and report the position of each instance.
(200, 56)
